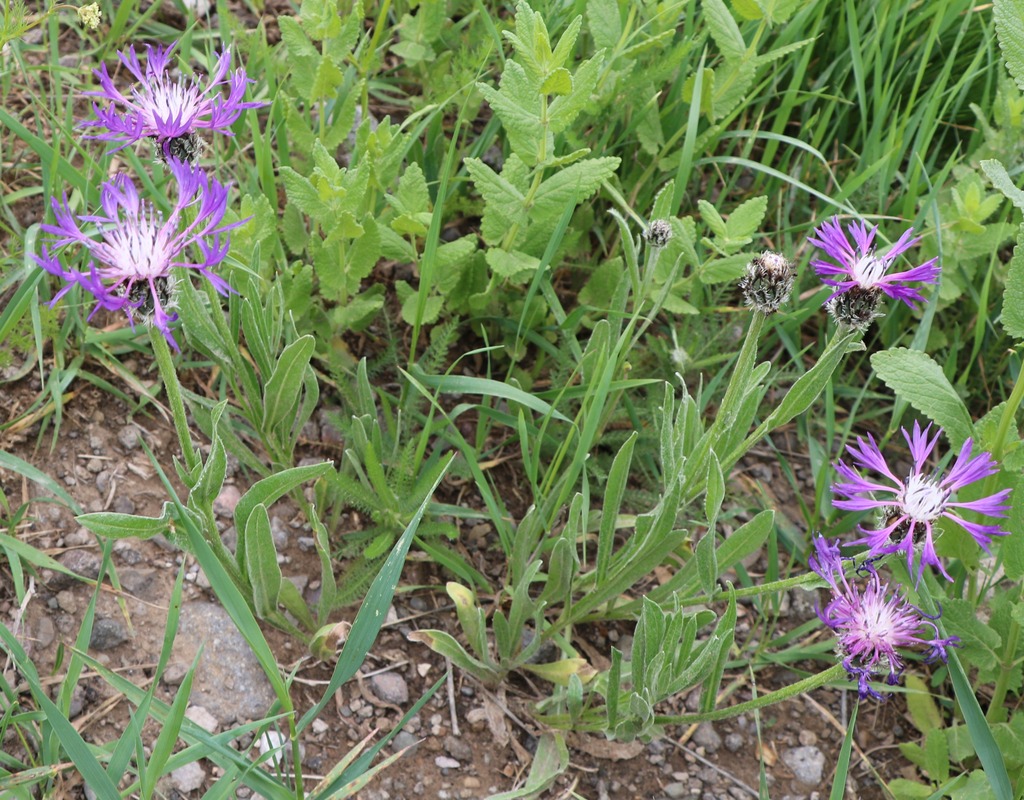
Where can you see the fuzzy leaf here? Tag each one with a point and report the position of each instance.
(918, 379)
(724, 30)
(1009, 18)
(1013, 296)
(604, 20)
(574, 184)
(503, 202)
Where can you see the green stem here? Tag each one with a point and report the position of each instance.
(808, 684)
(173, 388)
(996, 710)
(834, 673)
(1009, 415)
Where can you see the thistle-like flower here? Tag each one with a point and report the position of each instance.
(859, 267)
(873, 622)
(169, 110)
(134, 249)
(911, 506)
(767, 282)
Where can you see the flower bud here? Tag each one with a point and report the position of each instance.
(855, 308)
(768, 282)
(658, 233)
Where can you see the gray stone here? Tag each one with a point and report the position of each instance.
(128, 437)
(229, 682)
(458, 748)
(81, 562)
(444, 762)
(675, 790)
(225, 502)
(123, 504)
(706, 736)
(733, 742)
(107, 634)
(203, 718)
(404, 739)
(807, 763)
(188, 778)
(78, 538)
(279, 533)
(138, 582)
(390, 687)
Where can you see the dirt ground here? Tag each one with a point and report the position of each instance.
(470, 741)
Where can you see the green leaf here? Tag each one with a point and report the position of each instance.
(724, 30)
(1012, 316)
(604, 20)
(503, 202)
(284, 387)
(360, 310)
(745, 220)
(565, 109)
(574, 184)
(266, 492)
(514, 266)
(918, 379)
(707, 563)
(124, 526)
(558, 82)
(1009, 19)
(262, 570)
(715, 491)
(1001, 179)
(924, 713)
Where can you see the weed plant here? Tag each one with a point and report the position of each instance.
(634, 244)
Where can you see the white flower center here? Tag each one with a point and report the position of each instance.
(923, 499)
(868, 271)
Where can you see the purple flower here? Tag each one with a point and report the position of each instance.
(134, 249)
(909, 507)
(860, 268)
(873, 622)
(169, 110)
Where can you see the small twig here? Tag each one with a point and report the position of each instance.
(451, 698)
(715, 767)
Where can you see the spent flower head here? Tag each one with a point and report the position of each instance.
(864, 272)
(169, 110)
(911, 506)
(873, 622)
(90, 15)
(768, 281)
(133, 248)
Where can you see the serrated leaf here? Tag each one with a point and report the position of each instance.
(574, 184)
(1012, 317)
(359, 311)
(604, 20)
(724, 30)
(558, 82)
(1009, 19)
(565, 109)
(513, 266)
(503, 202)
(712, 218)
(918, 379)
(979, 644)
(745, 220)
(301, 192)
